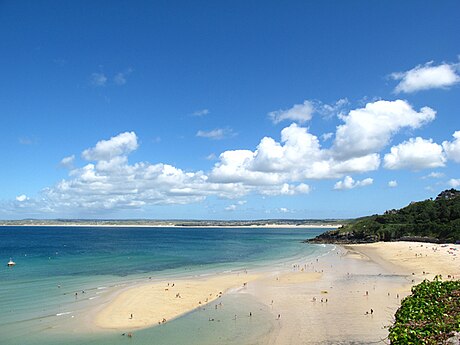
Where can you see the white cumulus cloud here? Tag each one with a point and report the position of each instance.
(415, 154)
(349, 183)
(67, 162)
(371, 128)
(454, 183)
(297, 157)
(230, 207)
(22, 198)
(426, 77)
(393, 184)
(433, 174)
(452, 149)
(275, 167)
(122, 144)
(286, 189)
(300, 113)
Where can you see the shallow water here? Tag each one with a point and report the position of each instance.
(37, 296)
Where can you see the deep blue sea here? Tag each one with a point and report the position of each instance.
(37, 297)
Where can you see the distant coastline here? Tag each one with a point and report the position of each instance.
(268, 223)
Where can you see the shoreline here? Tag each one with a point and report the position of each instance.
(149, 304)
(265, 226)
(351, 280)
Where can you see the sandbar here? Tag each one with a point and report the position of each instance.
(155, 303)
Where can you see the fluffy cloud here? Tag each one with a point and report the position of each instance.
(300, 113)
(427, 77)
(452, 149)
(433, 175)
(454, 183)
(67, 162)
(328, 110)
(415, 154)
(327, 136)
(371, 128)
(286, 189)
(22, 198)
(231, 207)
(122, 144)
(216, 134)
(111, 183)
(349, 183)
(115, 184)
(393, 184)
(297, 157)
(274, 168)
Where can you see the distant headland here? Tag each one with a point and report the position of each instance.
(313, 223)
(433, 220)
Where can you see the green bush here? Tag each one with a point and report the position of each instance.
(430, 315)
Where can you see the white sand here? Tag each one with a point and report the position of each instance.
(150, 304)
(422, 260)
(328, 300)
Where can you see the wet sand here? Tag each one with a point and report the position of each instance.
(347, 296)
(155, 303)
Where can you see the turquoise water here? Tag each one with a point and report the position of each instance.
(38, 300)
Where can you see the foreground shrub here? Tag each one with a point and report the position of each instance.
(430, 315)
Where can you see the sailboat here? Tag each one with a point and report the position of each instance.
(11, 263)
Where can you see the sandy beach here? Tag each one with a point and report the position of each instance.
(156, 303)
(422, 260)
(351, 294)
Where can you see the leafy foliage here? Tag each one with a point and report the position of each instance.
(430, 315)
(434, 219)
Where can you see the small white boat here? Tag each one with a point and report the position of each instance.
(11, 263)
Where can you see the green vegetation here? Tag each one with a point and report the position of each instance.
(433, 220)
(430, 315)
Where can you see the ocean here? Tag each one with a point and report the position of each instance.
(62, 273)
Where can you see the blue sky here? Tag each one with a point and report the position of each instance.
(226, 110)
